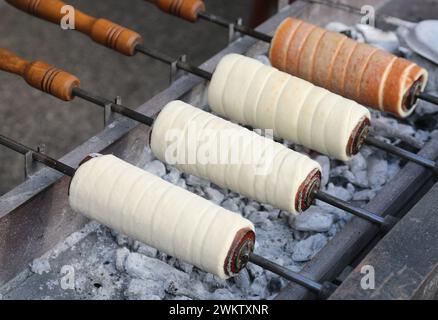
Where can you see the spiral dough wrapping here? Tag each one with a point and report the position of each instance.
(156, 212)
(248, 92)
(239, 159)
(355, 70)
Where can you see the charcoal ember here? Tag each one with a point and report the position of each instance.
(214, 195)
(231, 204)
(121, 255)
(306, 249)
(314, 219)
(156, 168)
(139, 289)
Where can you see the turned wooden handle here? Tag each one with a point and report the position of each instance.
(102, 31)
(186, 9)
(40, 75)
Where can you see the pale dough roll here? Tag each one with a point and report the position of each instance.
(295, 109)
(145, 207)
(222, 80)
(235, 107)
(354, 70)
(255, 166)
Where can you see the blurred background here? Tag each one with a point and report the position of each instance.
(35, 118)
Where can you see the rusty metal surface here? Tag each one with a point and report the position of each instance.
(405, 261)
(36, 215)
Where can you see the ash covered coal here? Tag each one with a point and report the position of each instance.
(109, 265)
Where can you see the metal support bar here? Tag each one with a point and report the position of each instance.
(30, 165)
(108, 115)
(175, 71)
(233, 34)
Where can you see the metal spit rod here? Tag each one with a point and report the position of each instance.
(127, 112)
(402, 153)
(341, 204)
(155, 54)
(37, 156)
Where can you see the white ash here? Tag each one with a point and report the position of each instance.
(40, 266)
(214, 195)
(388, 127)
(144, 290)
(324, 161)
(121, 256)
(195, 181)
(377, 172)
(364, 195)
(231, 204)
(306, 249)
(314, 219)
(385, 40)
(156, 167)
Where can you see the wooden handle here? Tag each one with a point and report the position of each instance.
(186, 9)
(40, 75)
(102, 31)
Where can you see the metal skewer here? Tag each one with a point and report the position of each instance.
(37, 156)
(169, 60)
(428, 97)
(402, 153)
(125, 111)
(341, 204)
(323, 290)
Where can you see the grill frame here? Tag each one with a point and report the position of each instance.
(38, 208)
